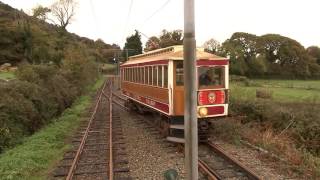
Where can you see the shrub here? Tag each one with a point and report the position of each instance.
(40, 93)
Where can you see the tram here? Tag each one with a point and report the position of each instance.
(153, 82)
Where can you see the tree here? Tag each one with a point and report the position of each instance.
(172, 38)
(63, 11)
(211, 46)
(287, 57)
(314, 52)
(133, 44)
(240, 47)
(152, 43)
(40, 12)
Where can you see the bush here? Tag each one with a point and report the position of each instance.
(40, 93)
(302, 120)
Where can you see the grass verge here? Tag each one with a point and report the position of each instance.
(7, 75)
(38, 153)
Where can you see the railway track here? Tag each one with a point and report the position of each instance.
(217, 164)
(214, 162)
(99, 149)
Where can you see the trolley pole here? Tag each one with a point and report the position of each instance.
(190, 95)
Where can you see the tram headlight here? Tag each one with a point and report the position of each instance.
(203, 111)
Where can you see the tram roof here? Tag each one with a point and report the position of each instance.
(170, 53)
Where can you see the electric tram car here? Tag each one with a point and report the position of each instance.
(154, 82)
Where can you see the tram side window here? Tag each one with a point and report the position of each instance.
(131, 74)
(160, 76)
(142, 74)
(127, 74)
(154, 76)
(179, 74)
(150, 75)
(138, 75)
(145, 75)
(165, 76)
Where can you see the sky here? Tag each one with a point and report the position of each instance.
(113, 21)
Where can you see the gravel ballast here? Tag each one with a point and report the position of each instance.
(149, 154)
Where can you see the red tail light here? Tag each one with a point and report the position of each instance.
(211, 97)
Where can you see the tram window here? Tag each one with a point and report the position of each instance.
(145, 75)
(165, 76)
(211, 77)
(150, 75)
(160, 76)
(129, 75)
(133, 75)
(179, 74)
(154, 76)
(141, 75)
(138, 75)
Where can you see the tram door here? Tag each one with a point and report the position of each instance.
(178, 90)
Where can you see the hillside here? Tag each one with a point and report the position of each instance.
(52, 69)
(24, 38)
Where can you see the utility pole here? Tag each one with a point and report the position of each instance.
(190, 94)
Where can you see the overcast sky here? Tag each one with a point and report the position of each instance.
(108, 19)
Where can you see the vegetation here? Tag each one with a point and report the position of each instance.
(133, 44)
(270, 55)
(39, 152)
(285, 122)
(29, 39)
(54, 67)
(7, 75)
(166, 39)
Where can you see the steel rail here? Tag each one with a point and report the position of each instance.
(118, 96)
(110, 136)
(205, 168)
(81, 146)
(220, 151)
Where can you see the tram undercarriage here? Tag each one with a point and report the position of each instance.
(171, 127)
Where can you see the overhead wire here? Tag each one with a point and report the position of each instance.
(127, 20)
(94, 18)
(155, 12)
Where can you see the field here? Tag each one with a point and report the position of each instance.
(6, 75)
(281, 90)
(280, 116)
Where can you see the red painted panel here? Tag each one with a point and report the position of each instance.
(214, 110)
(155, 104)
(205, 62)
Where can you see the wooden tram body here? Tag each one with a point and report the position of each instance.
(154, 82)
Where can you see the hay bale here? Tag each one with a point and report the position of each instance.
(264, 93)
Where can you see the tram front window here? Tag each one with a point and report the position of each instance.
(211, 77)
(179, 74)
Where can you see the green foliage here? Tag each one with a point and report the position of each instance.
(28, 39)
(166, 39)
(40, 12)
(34, 157)
(291, 109)
(270, 55)
(134, 44)
(7, 75)
(41, 93)
(314, 52)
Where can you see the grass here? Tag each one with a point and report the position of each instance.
(267, 122)
(34, 158)
(7, 75)
(282, 90)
